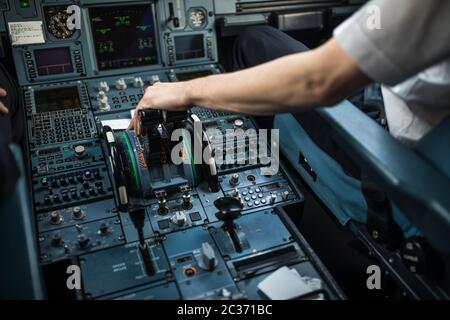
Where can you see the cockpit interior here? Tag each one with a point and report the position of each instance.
(223, 150)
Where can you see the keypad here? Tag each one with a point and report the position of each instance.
(62, 126)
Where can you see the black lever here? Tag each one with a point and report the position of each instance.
(138, 218)
(229, 210)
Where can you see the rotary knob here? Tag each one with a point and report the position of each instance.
(138, 82)
(121, 84)
(234, 180)
(88, 175)
(103, 86)
(179, 219)
(238, 123)
(57, 240)
(77, 213)
(83, 241)
(101, 95)
(80, 151)
(273, 198)
(103, 104)
(44, 182)
(56, 218)
(104, 229)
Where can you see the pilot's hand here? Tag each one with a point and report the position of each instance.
(3, 108)
(162, 96)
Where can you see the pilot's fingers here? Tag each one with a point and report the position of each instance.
(3, 109)
(3, 92)
(133, 123)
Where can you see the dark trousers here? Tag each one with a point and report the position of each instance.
(260, 44)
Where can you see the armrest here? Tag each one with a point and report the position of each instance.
(415, 185)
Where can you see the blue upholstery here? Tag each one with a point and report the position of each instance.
(416, 186)
(340, 192)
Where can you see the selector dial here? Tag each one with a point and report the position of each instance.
(80, 151)
(121, 84)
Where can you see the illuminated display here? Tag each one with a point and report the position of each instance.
(57, 99)
(189, 47)
(53, 61)
(124, 37)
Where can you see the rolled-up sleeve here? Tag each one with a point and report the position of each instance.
(393, 40)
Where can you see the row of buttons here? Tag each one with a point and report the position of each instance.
(44, 168)
(78, 61)
(70, 194)
(30, 65)
(170, 50)
(204, 114)
(209, 47)
(71, 178)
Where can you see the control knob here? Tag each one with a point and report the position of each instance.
(83, 241)
(208, 260)
(44, 182)
(138, 82)
(121, 84)
(101, 95)
(179, 219)
(104, 229)
(57, 240)
(273, 198)
(87, 174)
(238, 123)
(56, 218)
(47, 200)
(187, 201)
(103, 104)
(162, 206)
(234, 180)
(80, 151)
(103, 86)
(77, 213)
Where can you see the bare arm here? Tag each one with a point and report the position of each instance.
(3, 108)
(316, 78)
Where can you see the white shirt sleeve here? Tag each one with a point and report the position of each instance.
(392, 40)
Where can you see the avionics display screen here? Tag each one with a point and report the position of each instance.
(189, 47)
(193, 75)
(124, 36)
(57, 99)
(53, 61)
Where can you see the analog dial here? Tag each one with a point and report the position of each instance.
(57, 22)
(197, 18)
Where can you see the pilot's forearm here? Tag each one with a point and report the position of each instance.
(293, 83)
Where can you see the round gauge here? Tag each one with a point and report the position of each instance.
(197, 18)
(57, 22)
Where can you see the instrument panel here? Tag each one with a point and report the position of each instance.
(137, 224)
